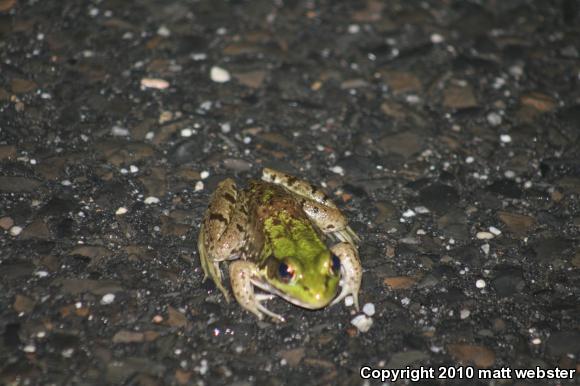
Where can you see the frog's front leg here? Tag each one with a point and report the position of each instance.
(351, 271)
(242, 274)
(222, 233)
(317, 206)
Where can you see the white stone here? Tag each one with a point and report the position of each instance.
(186, 132)
(505, 138)
(348, 301)
(362, 322)
(464, 314)
(369, 309)
(485, 248)
(220, 75)
(107, 299)
(494, 230)
(118, 131)
(494, 119)
(436, 39)
(163, 31)
(337, 169)
(198, 186)
(29, 348)
(509, 174)
(151, 200)
(122, 210)
(226, 127)
(484, 235)
(469, 160)
(353, 29)
(15, 230)
(422, 210)
(480, 283)
(409, 213)
(133, 169)
(159, 84)
(204, 174)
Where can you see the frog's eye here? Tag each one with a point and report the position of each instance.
(335, 264)
(285, 272)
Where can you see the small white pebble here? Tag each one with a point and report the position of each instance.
(528, 184)
(421, 232)
(436, 39)
(15, 230)
(484, 235)
(29, 348)
(348, 301)
(186, 132)
(67, 353)
(163, 31)
(118, 131)
(464, 314)
(362, 322)
(469, 160)
(150, 135)
(485, 248)
(505, 138)
(409, 213)
(151, 200)
(41, 274)
(494, 119)
(247, 140)
(509, 174)
(226, 127)
(159, 84)
(369, 309)
(337, 169)
(536, 341)
(480, 283)
(198, 186)
(353, 29)
(494, 230)
(107, 299)
(220, 75)
(133, 169)
(422, 210)
(204, 174)
(122, 210)
(405, 301)
(198, 56)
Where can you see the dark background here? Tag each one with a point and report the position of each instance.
(428, 122)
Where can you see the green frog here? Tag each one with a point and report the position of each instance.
(274, 234)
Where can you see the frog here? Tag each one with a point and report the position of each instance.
(274, 236)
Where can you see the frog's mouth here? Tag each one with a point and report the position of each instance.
(265, 286)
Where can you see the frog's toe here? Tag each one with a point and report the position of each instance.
(262, 297)
(273, 315)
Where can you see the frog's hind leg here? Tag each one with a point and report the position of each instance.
(317, 206)
(210, 267)
(222, 232)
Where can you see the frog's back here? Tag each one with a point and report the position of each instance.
(267, 200)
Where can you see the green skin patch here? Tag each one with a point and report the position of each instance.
(294, 241)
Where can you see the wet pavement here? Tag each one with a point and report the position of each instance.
(447, 131)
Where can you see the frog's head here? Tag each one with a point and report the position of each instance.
(299, 267)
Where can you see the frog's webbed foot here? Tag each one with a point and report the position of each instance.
(221, 235)
(241, 273)
(351, 271)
